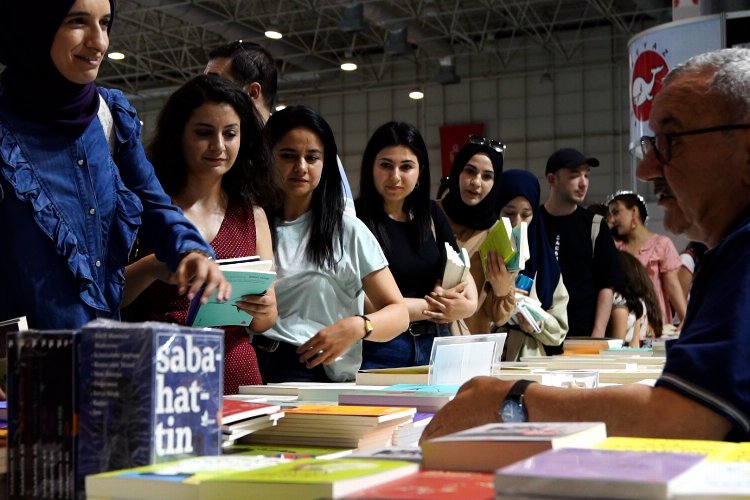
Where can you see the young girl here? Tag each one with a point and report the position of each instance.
(635, 310)
(656, 252)
(471, 207)
(394, 202)
(326, 262)
(519, 201)
(209, 155)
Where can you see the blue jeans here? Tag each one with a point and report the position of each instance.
(411, 348)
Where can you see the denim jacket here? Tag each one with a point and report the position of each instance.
(70, 210)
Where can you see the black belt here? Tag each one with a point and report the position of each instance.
(264, 343)
(424, 327)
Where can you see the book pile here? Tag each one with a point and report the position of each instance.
(240, 418)
(108, 396)
(326, 425)
(425, 398)
(242, 476)
(409, 433)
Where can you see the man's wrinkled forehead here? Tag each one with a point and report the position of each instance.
(682, 99)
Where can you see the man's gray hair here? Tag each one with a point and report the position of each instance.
(731, 82)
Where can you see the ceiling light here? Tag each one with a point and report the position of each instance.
(416, 94)
(348, 65)
(116, 56)
(273, 33)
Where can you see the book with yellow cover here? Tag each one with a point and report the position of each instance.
(350, 413)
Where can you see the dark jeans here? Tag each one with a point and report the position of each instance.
(279, 362)
(411, 348)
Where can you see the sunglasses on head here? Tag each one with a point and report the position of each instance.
(491, 143)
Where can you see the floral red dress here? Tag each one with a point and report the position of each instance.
(160, 302)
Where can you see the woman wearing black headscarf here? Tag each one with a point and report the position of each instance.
(541, 279)
(75, 184)
(471, 207)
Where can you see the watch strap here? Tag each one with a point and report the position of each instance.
(518, 389)
(368, 326)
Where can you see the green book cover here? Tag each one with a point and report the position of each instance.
(215, 313)
(499, 240)
(309, 478)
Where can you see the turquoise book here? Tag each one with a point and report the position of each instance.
(246, 278)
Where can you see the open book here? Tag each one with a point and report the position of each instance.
(457, 267)
(511, 243)
(248, 276)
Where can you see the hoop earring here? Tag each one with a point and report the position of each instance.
(416, 185)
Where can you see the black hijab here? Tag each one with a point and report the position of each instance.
(542, 262)
(484, 214)
(32, 86)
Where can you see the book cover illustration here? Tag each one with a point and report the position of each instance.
(152, 392)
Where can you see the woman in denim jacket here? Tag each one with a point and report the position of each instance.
(75, 185)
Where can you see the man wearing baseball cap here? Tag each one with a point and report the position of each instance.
(582, 242)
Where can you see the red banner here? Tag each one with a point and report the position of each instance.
(452, 138)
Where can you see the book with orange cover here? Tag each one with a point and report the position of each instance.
(349, 413)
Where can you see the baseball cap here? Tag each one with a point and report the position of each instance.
(568, 158)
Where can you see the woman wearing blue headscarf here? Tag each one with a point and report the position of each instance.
(519, 201)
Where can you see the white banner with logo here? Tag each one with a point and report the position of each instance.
(653, 53)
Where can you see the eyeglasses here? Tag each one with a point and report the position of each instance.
(492, 143)
(661, 144)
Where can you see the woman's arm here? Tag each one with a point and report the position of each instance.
(451, 304)
(618, 323)
(139, 275)
(391, 317)
(261, 307)
(673, 289)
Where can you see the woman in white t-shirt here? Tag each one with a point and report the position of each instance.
(326, 261)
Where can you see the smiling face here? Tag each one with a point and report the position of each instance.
(518, 210)
(476, 179)
(211, 139)
(703, 186)
(299, 157)
(395, 173)
(82, 40)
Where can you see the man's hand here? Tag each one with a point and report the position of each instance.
(477, 402)
(196, 271)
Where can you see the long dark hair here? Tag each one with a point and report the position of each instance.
(251, 180)
(639, 286)
(328, 197)
(417, 203)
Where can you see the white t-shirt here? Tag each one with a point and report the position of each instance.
(310, 297)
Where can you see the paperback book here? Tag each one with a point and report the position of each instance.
(488, 447)
(510, 243)
(433, 485)
(457, 266)
(248, 277)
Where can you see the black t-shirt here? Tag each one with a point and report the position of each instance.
(584, 270)
(417, 271)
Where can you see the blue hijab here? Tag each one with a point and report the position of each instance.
(542, 262)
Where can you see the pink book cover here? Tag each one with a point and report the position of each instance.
(435, 485)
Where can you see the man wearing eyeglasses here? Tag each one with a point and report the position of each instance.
(701, 152)
(252, 67)
(583, 245)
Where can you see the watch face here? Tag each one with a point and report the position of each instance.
(513, 411)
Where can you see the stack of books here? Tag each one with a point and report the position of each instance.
(425, 398)
(326, 425)
(240, 418)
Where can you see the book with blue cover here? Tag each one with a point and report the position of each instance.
(150, 392)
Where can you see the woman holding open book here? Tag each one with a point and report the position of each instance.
(540, 283)
(394, 202)
(327, 260)
(471, 207)
(209, 156)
